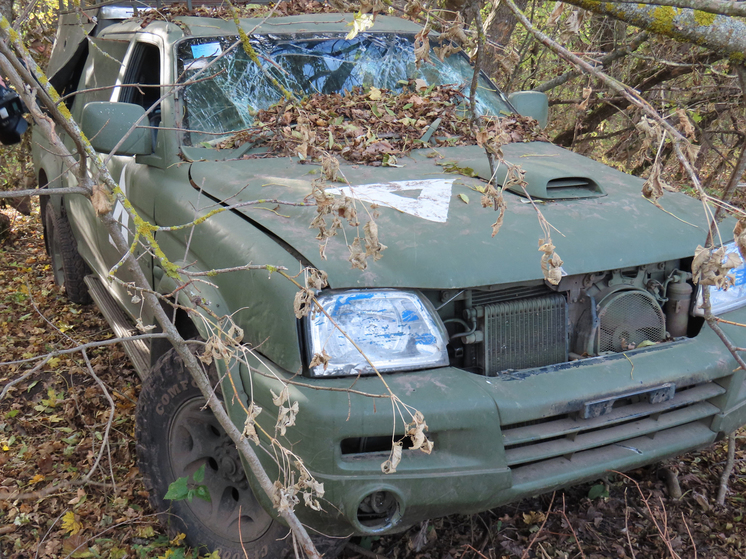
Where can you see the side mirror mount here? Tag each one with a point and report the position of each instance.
(105, 124)
(531, 103)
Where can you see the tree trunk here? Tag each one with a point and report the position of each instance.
(499, 28)
(723, 34)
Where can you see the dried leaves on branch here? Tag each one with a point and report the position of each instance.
(375, 126)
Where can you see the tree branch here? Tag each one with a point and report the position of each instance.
(614, 55)
(721, 33)
(722, 7)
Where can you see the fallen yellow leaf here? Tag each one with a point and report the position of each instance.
(70, 523)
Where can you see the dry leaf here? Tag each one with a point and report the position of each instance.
(422, 47)
(70, 523)
(249, 429)
(303, 302)
(357, 255)
(686, 124)
(713, 267)
(101, 199)
(556, 13)
(551, 263)
(654, 185)
(389, 466)
(316, 279)
(320, 359)
(583, 106)
(373, 246)
(739, 232)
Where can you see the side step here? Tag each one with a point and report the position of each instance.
(137, 350)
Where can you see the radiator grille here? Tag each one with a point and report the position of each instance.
(565, 435)
(524, 333)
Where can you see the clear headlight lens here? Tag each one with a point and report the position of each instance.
(730, 299)
(396, 330)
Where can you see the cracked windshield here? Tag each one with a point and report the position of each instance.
(229, 88)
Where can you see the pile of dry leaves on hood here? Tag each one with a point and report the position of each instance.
(375, 126)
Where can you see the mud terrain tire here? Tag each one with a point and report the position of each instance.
(68, 266)
(175, 436)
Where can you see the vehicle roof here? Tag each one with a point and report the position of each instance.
(287, 25)
(312, 23)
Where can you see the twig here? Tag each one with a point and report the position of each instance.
(694, 544)
(24, 376)
(112, 410)
(475, 550)
(574, 535)
(536, 535)
(56, 520)
(626, 525)
(728, 469)
(83, 347)
(662, 531)
(43, 192)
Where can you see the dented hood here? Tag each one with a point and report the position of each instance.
(437, 233)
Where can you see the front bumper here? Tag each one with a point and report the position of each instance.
(499, 439)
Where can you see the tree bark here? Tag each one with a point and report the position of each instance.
(723, 34)
(6, 9)
(498, 28)
(724, 7)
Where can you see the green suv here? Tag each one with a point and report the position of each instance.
(526, 385)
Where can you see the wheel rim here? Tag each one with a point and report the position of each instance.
(55, 253)
(196, 438)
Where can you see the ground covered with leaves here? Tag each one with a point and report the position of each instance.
(53, 424)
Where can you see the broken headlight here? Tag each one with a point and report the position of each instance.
(724, 300)
(393, 331)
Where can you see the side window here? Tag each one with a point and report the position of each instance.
(104, 64)
(144, 77)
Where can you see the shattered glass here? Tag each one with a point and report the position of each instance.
(231, 88)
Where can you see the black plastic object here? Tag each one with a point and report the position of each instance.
(12, 123)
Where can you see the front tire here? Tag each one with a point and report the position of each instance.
(175, 436)
(68, 266)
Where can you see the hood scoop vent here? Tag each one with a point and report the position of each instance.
(561, 188)
(574, 187)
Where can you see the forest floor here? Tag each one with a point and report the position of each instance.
(53, 422)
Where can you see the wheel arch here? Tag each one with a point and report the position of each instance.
(182, 305)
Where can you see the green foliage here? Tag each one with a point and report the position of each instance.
(182, 488)
(598, 491)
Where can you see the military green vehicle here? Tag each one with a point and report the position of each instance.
(526, 385)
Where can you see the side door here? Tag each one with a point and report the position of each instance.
(138, 176)
(98, 77)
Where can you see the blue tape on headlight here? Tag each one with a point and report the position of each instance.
(395, 330)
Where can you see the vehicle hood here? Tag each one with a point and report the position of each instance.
(438, 234)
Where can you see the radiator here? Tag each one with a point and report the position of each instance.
(524, 333)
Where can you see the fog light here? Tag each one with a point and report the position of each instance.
(379, 511)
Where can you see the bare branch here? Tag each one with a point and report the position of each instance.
(632, 46)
